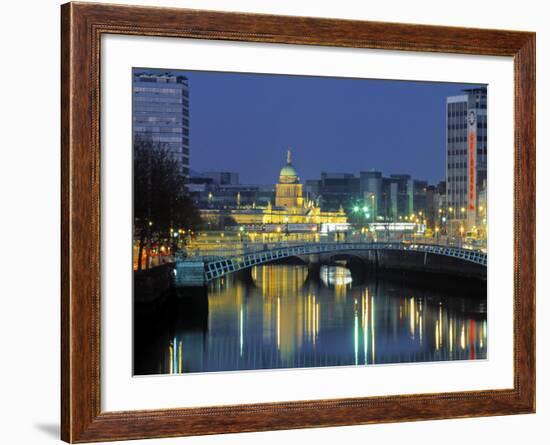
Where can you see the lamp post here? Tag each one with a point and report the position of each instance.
(241, 230)
(482, 222)
(367, 215)
(355, 210)
(148, 258)
(286, 227)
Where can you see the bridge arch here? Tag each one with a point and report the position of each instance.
(441, 258)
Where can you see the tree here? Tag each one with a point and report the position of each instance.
(161, 202)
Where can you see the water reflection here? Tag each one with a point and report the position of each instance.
(279, 316)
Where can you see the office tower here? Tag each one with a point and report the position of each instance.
(466, 156)
(161, 112)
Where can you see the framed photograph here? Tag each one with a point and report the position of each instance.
(274, 222)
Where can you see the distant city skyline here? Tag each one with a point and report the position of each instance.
(245, 123)
(268, 182)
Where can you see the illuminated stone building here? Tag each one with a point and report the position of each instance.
(290, 209)
(288, 192)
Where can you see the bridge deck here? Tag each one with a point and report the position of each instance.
(216, 267)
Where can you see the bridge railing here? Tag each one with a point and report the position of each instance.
(252, 248)
(218, 266)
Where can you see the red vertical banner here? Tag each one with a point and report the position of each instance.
(472, 155)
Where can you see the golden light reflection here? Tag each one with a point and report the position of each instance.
(451, 336)
(274, 280)
(411, 316)
(175, 356)
(295, 316)
(279, 323)
(171, 357)
(241, 330)
(481, 336)
(372, 326)
(356, 335)
(440, 326)
(365, 321)
(312, 318)
(291, 315)
(420, 328)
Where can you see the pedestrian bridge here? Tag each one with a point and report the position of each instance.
(200, 270)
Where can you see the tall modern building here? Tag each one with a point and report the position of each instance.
(466, 156)
(161, 112)
(223, 178)
(401, 195)
(371, 186)
(392, 198)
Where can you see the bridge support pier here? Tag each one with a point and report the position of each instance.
(313, 263)
(190, 273)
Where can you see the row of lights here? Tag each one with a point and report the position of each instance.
(462, 209)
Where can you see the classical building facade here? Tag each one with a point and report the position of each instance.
(288, 192)
(290, 209)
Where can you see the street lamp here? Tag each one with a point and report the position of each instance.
(241, 230)
(286, 228)
(372, 205)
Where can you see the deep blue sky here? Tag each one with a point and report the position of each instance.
(245, 123)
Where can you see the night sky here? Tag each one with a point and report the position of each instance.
(246, 122)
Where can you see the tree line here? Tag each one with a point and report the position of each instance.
(163, 209)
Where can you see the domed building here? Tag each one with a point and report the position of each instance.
(290, 212)
(288, 192)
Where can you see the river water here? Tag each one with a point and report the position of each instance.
(279, 316)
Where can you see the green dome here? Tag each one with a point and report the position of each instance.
(288, 174)
(288, 170)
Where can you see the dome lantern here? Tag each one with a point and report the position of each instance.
(288, 173)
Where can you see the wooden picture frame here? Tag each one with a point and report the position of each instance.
(82, 26)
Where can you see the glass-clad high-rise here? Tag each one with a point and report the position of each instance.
(161, 112)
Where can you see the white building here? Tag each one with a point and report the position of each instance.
(466, 157)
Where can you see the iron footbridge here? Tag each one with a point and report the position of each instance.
(212, 267)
